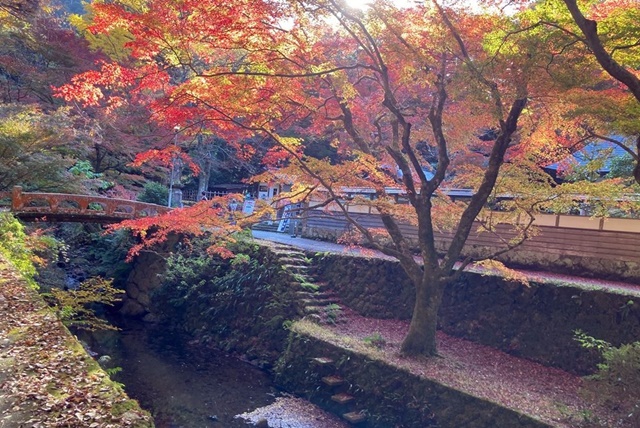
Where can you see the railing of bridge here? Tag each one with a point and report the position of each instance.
(34, 204)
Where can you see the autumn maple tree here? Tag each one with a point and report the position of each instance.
(419, 99)
(422, 76)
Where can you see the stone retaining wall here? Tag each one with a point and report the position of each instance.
(391, 397)
(535, 322)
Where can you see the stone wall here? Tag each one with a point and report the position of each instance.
(535, 322)
(241, 309)
(145, 277)
(391, 396)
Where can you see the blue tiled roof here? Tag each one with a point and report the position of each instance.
(593, 151)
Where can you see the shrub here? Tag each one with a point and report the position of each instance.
(14, 245)
(617, 381)
(376, 340)
(76, 307)
(84, 168)
(332, 312)
(154, 193)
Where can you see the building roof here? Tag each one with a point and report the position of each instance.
(590, 152)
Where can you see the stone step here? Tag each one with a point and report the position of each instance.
(322, 361)
(302, 280)
(333, 321)
(325, 321)
(294, 259)
(333, 380)
(286, 250)
(321, 319)
(317, 302)
(355, 417)
(342, 398)
(325, 293)
(288, 253)
(323, 309)
(314, 309)
(299, 265)
(329, 295)
(266, 227)
(314, 318)
(290, 256)
(309, 286)
(322, 286)
(299, 269)
(305, 294)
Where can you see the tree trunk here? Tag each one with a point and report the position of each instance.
(421, 338)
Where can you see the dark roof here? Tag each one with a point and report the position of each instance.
(590, 152)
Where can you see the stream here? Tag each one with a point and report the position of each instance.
(179, 387)
(186, 389)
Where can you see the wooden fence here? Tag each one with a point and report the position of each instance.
(564, 235)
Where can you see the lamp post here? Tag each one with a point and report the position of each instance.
(173, 165)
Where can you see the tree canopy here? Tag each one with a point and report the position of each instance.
(424, 98)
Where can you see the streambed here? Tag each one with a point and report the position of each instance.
(184, 389)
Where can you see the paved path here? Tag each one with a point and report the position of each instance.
(534, 276)
(315, 245)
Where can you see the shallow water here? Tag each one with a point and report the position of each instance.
(181, 388)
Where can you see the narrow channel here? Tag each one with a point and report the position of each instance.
(181, 388)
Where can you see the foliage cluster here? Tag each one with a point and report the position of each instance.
(77, 307)
(45, 144)
(423, 98)
(432, 96)
(154, 193)
(86, 251)
(375, 340)
(92, 180)
(22, 249)
(233, 303)
(30, 253)
(33, 153)
(617, 381)
(194, 276)
(332, 312)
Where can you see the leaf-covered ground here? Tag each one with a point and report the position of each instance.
(46, 378)
(547, 394)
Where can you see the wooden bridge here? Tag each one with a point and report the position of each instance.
(78, 208)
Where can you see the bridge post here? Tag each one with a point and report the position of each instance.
(16, 198)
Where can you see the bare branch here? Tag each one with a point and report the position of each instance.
(590, 30)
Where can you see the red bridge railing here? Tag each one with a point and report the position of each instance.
(66, 207)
